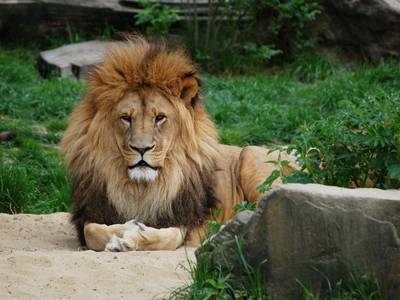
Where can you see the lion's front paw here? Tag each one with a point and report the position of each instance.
(117, 244)
(133, 224)
(130, 239)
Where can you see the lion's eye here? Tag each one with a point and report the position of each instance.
(160, 119)
(126, 119)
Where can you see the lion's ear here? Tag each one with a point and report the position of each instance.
(190, 89)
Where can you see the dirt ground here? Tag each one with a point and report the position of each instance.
(40, 258)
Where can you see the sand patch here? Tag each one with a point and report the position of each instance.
(40, 258)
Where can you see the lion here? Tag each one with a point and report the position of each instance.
(146, 167)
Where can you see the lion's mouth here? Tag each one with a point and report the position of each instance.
(142, 164)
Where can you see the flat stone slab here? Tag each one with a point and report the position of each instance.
(75, 59)
(314, 233)
(40, 258)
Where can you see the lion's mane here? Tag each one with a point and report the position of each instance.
(101, 190)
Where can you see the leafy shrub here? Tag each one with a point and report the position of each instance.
(156, 17)
(359, 146)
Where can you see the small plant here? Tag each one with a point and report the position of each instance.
(283, 170)
(245, 205)
(215, 281)
(214, 225)
(156, 18)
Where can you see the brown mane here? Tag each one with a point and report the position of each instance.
(101, 191)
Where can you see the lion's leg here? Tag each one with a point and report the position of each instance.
(98, 235)
(141, 237)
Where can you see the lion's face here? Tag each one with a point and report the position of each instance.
(145, 127)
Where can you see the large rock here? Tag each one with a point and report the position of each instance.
(370, 28)
(314, 233)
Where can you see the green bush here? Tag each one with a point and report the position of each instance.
(357, 147)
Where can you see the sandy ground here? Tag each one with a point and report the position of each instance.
(40, 258)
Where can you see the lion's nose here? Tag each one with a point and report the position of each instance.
(142, 151)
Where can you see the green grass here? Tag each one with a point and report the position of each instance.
(271, 108)
(268, 108)
(32, 176)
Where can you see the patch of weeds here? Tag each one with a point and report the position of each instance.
(215, 281)
(32, 178)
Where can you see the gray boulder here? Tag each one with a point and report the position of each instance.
(368, 28)
(314, 234)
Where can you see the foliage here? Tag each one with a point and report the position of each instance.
(32, 175)
(357, 147)
(157, 18)
(214, 225)
(245, 205)
(280, 166)
(244, 35)
(309, 68)
(215, 281)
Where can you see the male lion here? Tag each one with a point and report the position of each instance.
(146, 166)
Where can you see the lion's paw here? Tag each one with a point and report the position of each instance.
(133, 224)
(117, 244)
(135, 233)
